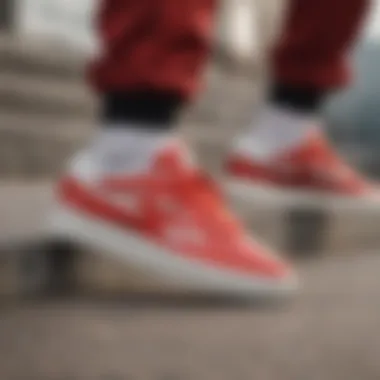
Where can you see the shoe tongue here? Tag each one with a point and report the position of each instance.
(175, 157)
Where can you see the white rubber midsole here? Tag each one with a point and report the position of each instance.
(137, 252)
(250, 192)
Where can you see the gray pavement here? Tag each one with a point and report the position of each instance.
(329, 332)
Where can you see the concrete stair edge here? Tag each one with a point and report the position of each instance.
(28, 93)
(37, 152)
(34, 55)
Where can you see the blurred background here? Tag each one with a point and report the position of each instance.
(46, 112)
(44, 44)
(354, 114)
(47, 109)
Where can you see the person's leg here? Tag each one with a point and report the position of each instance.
(151, 46)
(152, 53)
(134, 192)
(308, 62)
(312, 52)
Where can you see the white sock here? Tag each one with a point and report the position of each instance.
(120, 151)
(275, 132)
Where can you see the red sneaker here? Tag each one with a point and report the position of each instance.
(314, 166)
(172, 223)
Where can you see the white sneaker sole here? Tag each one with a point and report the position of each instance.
(137, 252)
(248, 191)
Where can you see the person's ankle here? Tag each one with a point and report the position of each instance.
(285, 122)
(148, 108)
(275, 131)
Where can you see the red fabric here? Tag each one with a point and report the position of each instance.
(164, 44)
(159, 44)
(315, 42)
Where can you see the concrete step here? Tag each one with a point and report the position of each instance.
(39, 77)
(331, 328)
(313, 228)
(38, 147)
(227, 100)
(42, 122)
(33, 95)
(37, 57)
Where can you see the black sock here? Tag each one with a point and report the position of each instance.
(150, 109)
(297, 98)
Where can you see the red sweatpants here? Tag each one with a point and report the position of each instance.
(164, 44)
